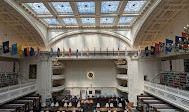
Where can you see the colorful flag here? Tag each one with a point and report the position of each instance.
(51, 52)
(161, 46)
(184, 34)
(118, 52)
(6, 47)
(169, 45)
(70, 51)
(31, 51)
(14, 49)
(156, 48)
(26, 52)
(113, 51)
(19, 50)
(126, 53)
(37, 53)
(146, 51)
(63, 52)
(88, 52)
(179, 41)
(107, 51)
(58, 52)
(77, 53)
(139, 50)
(152, 50)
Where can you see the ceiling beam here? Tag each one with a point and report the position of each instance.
(120, 12)
(97, 12)
(76, 13)
(54, 13)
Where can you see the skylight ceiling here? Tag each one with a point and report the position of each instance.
(86, 13)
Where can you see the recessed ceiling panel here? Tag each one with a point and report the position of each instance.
(51, 21)
(39, 8)
(86, 7)
(88, 20)
(107, 20)
(134, 6)
(126, 20)
(62, 7)
(109, 6)
(70, 21)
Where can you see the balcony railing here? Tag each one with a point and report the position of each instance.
(122, 89)
(122, 76)
(12, 92)
(177, 97)
(57, 89)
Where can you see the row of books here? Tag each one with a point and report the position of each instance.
(8, 79)
(177, 80)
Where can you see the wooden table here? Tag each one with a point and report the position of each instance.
(54, 109)
(111, 109)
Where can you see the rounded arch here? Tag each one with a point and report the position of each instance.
(124, 39)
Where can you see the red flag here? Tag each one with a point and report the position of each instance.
(183, 34)
(156, 48)
(69, 54)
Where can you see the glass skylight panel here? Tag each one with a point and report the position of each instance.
(86, 7)
(126, 20)
(88, 20)
(39, 8)
(107, 20)
(51, 21)
(70, 21)
(109, 6)
(62, 7)
(134, 6)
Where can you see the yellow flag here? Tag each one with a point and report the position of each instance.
(19, 50)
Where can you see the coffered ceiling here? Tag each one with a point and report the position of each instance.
(85, 13)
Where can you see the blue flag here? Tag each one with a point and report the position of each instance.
(152, 50)
(58, 52)
(169, 45)
(31, 51)
(25, 51)
(146, 51)
(6, 47)
(51, 52)
(14, 49)
(77, 53)
(179, 41)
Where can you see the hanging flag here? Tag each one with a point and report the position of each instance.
(126, 53)
(113, 51)
(37, 53)
(179, 41)
(28, 51)
(107, 51)
(94, 51)
(169, 45)
(77, 53)
(6, 47)
(156, 48)
(161, 46)
(31, 51)
(25, 52)
(51, 52)
(152, 50)
(58, 52)
(146, 51)
(14, 49)
(88, 52)
(184, 34)
(69, 54)
(118, 52)
(63, 52)
(19, 50)
(139, 50)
